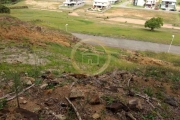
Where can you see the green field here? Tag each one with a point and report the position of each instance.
(58, 20)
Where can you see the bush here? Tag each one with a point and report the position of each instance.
(4, 9)
(154, 23)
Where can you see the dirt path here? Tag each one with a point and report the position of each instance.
(138, 21)
(131, 44)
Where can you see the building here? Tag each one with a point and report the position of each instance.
(73, 2)
(103, 4)
(138, 2)
(113, 1)
(168, 5)
(150, 4)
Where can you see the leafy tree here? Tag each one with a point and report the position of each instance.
(154, 23)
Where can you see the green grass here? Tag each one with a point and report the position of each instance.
(92, 26)
(57, 20)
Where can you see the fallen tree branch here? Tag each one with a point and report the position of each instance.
(129, 80)
(8, 97)
(146, 97)
(77, 113)
(131, 116)
(72, 85)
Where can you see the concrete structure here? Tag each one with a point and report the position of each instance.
(103, 4)
(168, 4)
(73, 2)
(150, 4)
(138, 2)
(113, 1)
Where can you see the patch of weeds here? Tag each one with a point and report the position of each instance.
(55, 72)
(35, 72)
(17, 86)
(103, 113)
(153, 72)
(50, 86)
(37, 21)
(40, 117)
(149, 116)
(148, 91)
(37, 82)
(167, 113)
(109, 99)
(24, 38)
(176, 86)
(62, 84)
(3, 103)
(71, 114)
(175, 78)
(159, 95)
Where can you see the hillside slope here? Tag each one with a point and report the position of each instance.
(38, 60)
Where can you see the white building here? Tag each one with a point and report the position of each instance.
(113, 1)
(138, 2)
(150, 4)
(168, 4)
(101, 4)
(73, 2)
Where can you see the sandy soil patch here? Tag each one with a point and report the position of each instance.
(138, 21)
(128, 20)
(27, 32)
(43, 4)
(73, 14)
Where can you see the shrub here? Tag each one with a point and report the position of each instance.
(154, 23)
(4, 9)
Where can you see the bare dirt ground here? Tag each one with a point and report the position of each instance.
(138, 21)
(43, 4)
(133, 16)
(26, 31)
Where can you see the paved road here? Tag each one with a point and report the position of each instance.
(130, 44)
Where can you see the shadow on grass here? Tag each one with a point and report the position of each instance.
(149, 30)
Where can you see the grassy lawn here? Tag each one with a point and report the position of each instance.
(92, 26)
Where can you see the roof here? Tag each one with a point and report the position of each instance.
(101, 0)
(170, 0)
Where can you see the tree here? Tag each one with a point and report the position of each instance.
(154, 23)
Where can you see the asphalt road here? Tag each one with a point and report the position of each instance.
(130, 44)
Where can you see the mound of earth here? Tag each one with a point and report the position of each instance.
(138, 58)
(117, 95)
(14, 29)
